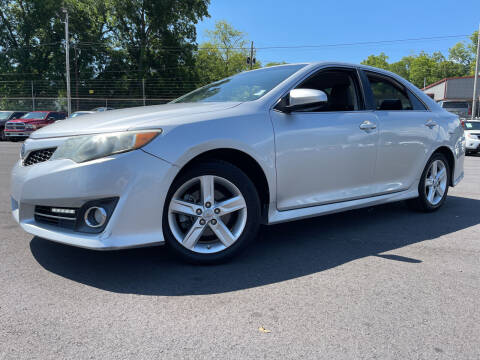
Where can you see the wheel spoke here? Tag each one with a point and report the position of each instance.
(231, 205)
(441, 174)
(431, 194)
(193, 235)
(223, 233)
(440, 191)
(208, 188)
(434, 169)
(183, 207)
(428, 182)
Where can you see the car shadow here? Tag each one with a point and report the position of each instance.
(282, 252)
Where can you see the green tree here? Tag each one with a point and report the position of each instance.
(275, 63)
(430, 68)
(402, 67)
(378, 61)
(110, 40)
(224, 54)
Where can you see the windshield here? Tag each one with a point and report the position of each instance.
(455, 105)
(5, 114)
(246, 86)
(472, 125)
(75, 114)
(35, 115)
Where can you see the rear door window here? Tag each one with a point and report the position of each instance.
(388, 94)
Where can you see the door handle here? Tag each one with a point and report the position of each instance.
(430, 123)
(368, 125)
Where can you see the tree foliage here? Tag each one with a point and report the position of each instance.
(110, 39)
(224, 54)
(423, 67)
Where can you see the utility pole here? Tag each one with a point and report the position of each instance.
(33, 97)
(77, 107)
(251, 56)
(67, 62)
(475, 81)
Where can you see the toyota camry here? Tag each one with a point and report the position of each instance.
(202, 172)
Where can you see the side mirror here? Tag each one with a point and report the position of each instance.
(303, 99)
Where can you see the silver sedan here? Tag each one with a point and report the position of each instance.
(262, 147)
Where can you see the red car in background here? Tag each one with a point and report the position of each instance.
(22, 128)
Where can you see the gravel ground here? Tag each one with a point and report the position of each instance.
(380, 282)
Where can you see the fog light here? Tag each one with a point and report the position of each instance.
(63, 211)
(95, 217)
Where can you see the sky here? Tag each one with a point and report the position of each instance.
(309, 22)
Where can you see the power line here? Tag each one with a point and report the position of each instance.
(93, 45)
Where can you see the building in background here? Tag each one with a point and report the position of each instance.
(454, 89)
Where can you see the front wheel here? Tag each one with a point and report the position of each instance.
(433, 186)
(212, 212)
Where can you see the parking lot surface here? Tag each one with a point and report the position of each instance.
(380, 282)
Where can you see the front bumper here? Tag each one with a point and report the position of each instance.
(17, 133)
(472, 144)
(139, 180)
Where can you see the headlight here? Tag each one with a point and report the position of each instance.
(467, 135)
(30, 127)
(90, 147)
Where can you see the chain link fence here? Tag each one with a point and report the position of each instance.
(30, 95)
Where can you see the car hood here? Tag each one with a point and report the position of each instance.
(139, 118)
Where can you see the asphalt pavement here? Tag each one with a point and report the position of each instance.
(375, 283)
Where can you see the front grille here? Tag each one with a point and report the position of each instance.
(15, 126)
(56, 216)
(38, 156)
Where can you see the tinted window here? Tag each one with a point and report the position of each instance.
(388, 94)
(455, 105)
(417, 104)
(35, 115)
(339, 85)
(5, 115)
(472, 125)
(246, 86)
(18, 115)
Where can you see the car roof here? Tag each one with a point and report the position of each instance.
(346, 64)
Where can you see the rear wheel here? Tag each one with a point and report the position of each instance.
(211, 213)
(2, 135)
(433, 186)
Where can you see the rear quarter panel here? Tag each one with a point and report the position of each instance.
(451, 135)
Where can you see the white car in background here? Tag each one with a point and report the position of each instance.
(262, 147)
(472, 136)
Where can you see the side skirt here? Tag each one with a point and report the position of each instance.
(275, 216)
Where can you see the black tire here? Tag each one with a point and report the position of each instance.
(248, 191)
(2, 135)
(421, 203)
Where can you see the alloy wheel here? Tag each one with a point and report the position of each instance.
(436, 182)
(207, 214)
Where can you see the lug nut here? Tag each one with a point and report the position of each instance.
(207, 204)
(213, 222)
(199, 211)
(202, 222)
(216, 211)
